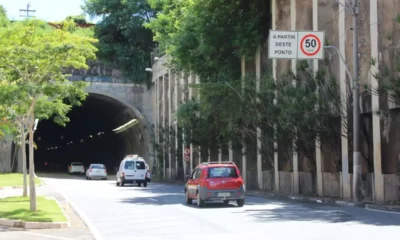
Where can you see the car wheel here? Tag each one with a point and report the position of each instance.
(226, 202)
(145, 184)
(104, 178)
(139, 184)
(240, 202)
(188, 200)
(200, 203)
(89, 178)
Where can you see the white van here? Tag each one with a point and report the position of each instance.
(132, 170)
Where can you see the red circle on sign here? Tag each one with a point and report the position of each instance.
(318, 42)
(187, 151)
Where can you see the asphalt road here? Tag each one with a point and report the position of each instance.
(159, 212)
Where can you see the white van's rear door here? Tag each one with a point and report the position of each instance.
(140, 170)
(129, 170)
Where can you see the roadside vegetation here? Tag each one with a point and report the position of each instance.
(14, 180)
(34, 60)
(17, 208)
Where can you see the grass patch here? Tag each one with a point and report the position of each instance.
(14, 179)
(17, 208)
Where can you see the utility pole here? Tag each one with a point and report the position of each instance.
(356, 108)
(27, 10)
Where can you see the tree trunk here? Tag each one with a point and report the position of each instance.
(24, 170)
(32, 187)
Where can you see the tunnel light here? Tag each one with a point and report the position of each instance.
(127, 125)
(36, 123)
(91, 136)
(81, 140)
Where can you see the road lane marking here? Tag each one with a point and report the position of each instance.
(154, 200)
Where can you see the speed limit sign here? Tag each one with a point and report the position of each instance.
(187, 151)
(187, 158)
(311, 45)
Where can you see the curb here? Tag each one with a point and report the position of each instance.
(17, 187)
(92, 228)
(389, 209)
(37, 225)
(33, 225)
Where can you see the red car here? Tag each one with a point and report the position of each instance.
(214, 181)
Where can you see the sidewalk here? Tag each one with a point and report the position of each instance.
(322, 200)
(77, 231)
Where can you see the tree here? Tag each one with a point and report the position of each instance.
(208, 37)
(34, 57)
(124, 43)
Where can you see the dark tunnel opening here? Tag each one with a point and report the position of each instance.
(88, 137)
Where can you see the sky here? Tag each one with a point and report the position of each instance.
(48, 10)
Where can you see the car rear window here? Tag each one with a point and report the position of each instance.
(222, 172)
(140, 165)
(76, 164)
(97, 166)
(130, 165)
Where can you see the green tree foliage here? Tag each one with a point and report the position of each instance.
(78, 19)
(124, 42)
(33, 59)
(3, 17)
(225, 114)
(209, 37)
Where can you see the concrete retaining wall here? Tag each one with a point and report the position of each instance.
(392, 187)
(286, 182)
(331, 183)
(306, 183)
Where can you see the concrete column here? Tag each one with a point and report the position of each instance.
(296, 186)
(220, 154)
(182, 80)
(346, 187)
(274, 75)
(259, 142)
(230, 157)
(159, 99)
(176, 93)
(198, 98)
(191, 81)
(164, 111)
(244, 157)
(171, 80)
(318, 152)
(379, 187)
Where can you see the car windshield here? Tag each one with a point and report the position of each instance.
(222, 172)
(97, 166)
(76, 164)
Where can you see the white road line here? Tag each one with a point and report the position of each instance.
(46, 236)
(152, 199)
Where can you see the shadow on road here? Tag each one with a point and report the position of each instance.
(270, 210)
(322, 213)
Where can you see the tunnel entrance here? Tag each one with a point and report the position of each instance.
(89, 136)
